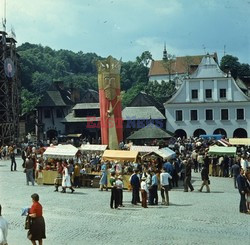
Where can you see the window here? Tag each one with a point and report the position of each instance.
(194, 94)
(178, 115)
(240, 114)
(224, 114)
(193, 115)
(59, 113)
(208, 93)
(47, 113)
(223, 93)
(209, 114)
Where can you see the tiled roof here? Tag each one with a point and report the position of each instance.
(89, 96)
(146, 112)
(149, 132)
(86, 106)
(143, 99)
(70, 118)
(51, 99)
(55, 97)
(180, 65)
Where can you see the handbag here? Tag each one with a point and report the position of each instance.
(24, 170)
(28, 222)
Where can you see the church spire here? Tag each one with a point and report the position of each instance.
(165, 54)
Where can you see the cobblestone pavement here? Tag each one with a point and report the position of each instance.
(86, 218)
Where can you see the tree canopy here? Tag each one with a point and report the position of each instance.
(40, 65)
(232, 64)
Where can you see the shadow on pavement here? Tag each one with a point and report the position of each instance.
(180, 205)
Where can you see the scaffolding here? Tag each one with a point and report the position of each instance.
(9, 89)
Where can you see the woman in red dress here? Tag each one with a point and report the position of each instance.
(37, 226)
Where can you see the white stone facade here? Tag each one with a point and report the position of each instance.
(209, 102)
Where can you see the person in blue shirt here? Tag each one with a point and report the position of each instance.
(153, 196)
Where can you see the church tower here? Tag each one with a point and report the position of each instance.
(165, 53)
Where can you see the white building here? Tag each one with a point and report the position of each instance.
(209, 102)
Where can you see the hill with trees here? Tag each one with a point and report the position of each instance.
(40, 65)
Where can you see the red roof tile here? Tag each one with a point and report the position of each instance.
(180, 65)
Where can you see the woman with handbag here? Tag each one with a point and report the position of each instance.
(37, 224)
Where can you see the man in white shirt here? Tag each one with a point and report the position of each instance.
(144, 192)
(3, 229)
(164, 181)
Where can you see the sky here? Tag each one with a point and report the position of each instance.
(126, 28)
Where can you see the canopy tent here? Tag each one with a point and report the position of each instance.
(224, 142)
(211, 136)
(61, 151)
(164, 153)
(222, 150)
(143, 148)
(168, 152)
(112, 155)
(89, 147)
(151, 131)
(239, 141)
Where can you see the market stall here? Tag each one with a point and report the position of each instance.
(89, 147)
(143, 148)
(211, 136)
(164, 153)
(121, 156)
(239, 141)
(57, 152)
(220, 151)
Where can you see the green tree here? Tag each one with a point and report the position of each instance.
(29, 100)
(168, 65)
(230, 63)
(144, 59)
(161, 91)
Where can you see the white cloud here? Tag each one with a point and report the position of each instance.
(127, 27)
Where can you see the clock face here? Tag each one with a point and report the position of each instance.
(9, 68)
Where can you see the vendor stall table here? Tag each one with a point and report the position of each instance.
(49, 177)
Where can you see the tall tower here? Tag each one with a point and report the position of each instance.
(165, 53)
(9, 88)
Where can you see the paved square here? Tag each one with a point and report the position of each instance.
(86, 218)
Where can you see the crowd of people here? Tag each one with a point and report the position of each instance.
(148, 177)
